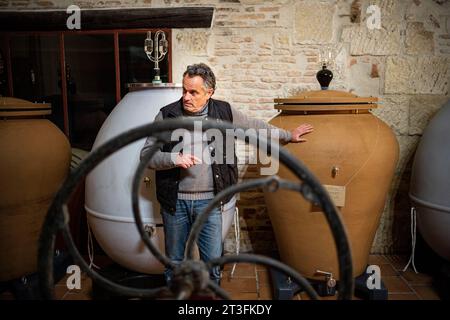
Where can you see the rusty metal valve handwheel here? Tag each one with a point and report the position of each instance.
(191, 277)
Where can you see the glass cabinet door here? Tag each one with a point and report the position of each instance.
(3, 70)
(35, 67)
(90, 73)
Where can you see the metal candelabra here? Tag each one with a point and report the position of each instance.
(156, 51)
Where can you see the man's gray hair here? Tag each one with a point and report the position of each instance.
(202, 70)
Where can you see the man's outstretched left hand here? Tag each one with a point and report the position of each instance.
(297, 133)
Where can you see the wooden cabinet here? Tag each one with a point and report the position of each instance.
(96, 66)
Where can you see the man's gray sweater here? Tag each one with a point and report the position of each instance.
(196, 182)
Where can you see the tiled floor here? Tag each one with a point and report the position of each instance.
(252, 282)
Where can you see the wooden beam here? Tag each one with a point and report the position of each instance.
(324, 107)
(330, 99)
(55, 20)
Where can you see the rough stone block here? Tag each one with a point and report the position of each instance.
(383, 242)
(390, 9)
(422, 109)
(408, 146)
(360, 77)
(394, 111)
(193, 42)
(378, 42)
(417, 75)
(418, 40)
(429, 12)
(314, 22)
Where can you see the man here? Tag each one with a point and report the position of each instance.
(184, 182)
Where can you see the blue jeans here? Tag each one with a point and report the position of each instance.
(176, 231)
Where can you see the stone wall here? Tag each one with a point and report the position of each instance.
(261, 50)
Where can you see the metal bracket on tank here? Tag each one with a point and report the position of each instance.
(331, 282)
(328, 287)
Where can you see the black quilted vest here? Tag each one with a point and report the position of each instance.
(224, 175)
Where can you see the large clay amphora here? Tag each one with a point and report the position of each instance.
(354, 154)
(35, 160)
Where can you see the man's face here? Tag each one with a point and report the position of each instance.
(195, 94)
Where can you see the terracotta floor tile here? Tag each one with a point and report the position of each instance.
(60, 291)
(229, 266)
(226, 275)
(416, 278)
(76, 296)
(403, 296)
(239, 285)
(397, 261)
(395, 284)
(262, 267)
(264, 279)
(265, 293)
(426, 293)
(243, 270)
(244, 296)
(388, 270)
(243, 286)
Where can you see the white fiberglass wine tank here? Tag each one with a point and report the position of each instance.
(108, 186)
(430, 183)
